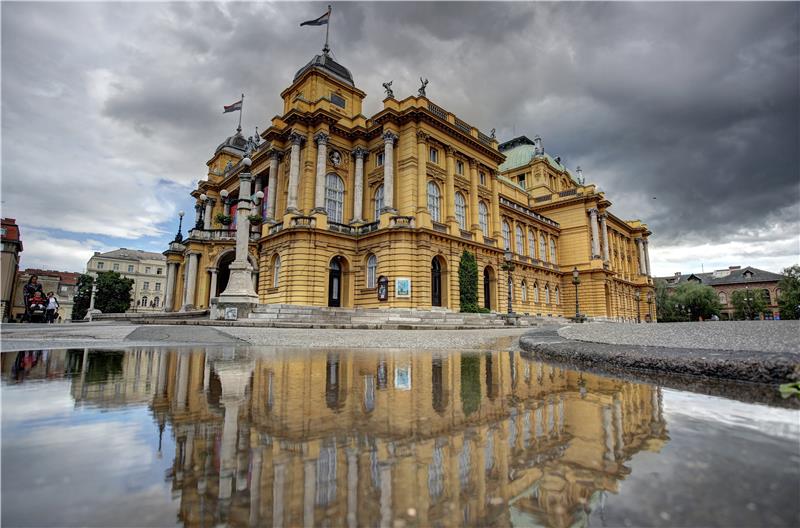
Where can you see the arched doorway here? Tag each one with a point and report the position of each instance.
(224, 272)
(436, 282)
(335, 282)
(488, 279)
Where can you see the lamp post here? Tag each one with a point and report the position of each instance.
(179, 235)
(650, 307)
(576, 280)
(509, 267)
(638, 297)
(91, 299)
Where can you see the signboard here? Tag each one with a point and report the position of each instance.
(383, 288)
(231, 313)
(402, 287)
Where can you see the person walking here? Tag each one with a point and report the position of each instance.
(28, 292)
(52, 308)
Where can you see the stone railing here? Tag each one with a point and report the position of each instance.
(275, 228)
(490, 241)
(545, 198)
(442, 228)
(341, 228)
(568, 192)
(484, 138)
(401, 221)
(467, 234)
(368, 228)
(437, 111)
(462, 125)
(218, 234)
(525, 210)
(303, 221)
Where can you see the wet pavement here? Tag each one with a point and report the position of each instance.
(250, 436)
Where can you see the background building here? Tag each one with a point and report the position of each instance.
(147, 269)
(61, 283)
(727, 281)
(400, 195)
(9, 264)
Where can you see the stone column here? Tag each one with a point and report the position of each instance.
(352, 487)
(207, 213)
(309, 491)
(191, 280)
(255, 486)
(604, 227)
(321, 139)
(647, 257)
(169, 294)
(389, 138)
(386, 494)
(496, 234)
(449, 186)
(595, 233)
(642, 265)
(212, 289)
(272, 186)
(358, 185)
(422, 172)
(294, 172)
(240, 283)
(474, 224)
(278, 483)
(226, 206)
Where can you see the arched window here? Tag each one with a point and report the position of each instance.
(524, 291)
(553, 251)
(144, 301)
(723, 299)
(378, 202)
(372, 271)
(276, 271)
(461, 211)
(334, 198)
(531, 244)
(483, 218)
(558, 296)
(156, 302)
(519, 241)
(536, 292)
(542, 248)
(506, 236)
(547, 294)
(433, 201)
(767, 296)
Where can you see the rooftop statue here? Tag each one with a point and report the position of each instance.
(422, 87)
(388, 87)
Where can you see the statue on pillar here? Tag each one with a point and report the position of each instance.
(421, 91)
(388, 87)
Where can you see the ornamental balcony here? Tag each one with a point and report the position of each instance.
(219, 235)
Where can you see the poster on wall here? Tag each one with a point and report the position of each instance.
(402, 377)
(402, 287)
(383, 288)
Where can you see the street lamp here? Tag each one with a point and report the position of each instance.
(179, 235)
(638, 297)
(509, 267)
(576, 280)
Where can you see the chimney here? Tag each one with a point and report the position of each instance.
(96, 253)
(538, 149)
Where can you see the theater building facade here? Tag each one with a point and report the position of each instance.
(375, 212)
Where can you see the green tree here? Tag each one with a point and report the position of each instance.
(696, 301)
(666, 310)
(748, 304)
(83, 294)
(468, 282)
(789, 298)
(113, 292)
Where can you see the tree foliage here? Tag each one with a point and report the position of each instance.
(748, 304)
(468, 283)
(113, 292)
(83, 294)
(687, 302)
(789, 299)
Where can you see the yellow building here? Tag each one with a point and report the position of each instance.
(353, 202)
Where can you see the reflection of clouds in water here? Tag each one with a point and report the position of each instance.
(783, 423)
(36, 401)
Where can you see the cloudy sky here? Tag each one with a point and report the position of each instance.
(685, 114)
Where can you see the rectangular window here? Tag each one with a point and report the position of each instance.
(116, 266)
(159, 270)
(146, 286)
(482, 176)
(459, 167)
(130, 268)
(433, 156)
(147, 269)
(379, 159)
(158, 286)
(101, 265)
(338, 100)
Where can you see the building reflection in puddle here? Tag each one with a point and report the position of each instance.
(336, 438)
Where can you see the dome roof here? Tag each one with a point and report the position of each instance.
(236, 141)
(519, 152)
(329, 66)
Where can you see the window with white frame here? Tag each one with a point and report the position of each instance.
(101, 265)
(334, 198)
(372, 271)
(531, 244)
(147, 269)
(459, 167)
(542, 248)
(130, 268)
(276, 271)
(461, 211)
(115, 266)
(482, 177)
(378, 202)
(536, 292)
(519, 241)
(723, 299)
(433, 155)
(379, 159)
(159, 270)
(156, 302)
(547, 294)
(146, 285)
(158, 286)
(506, 236)
(524, 291)
(143, 302)
(433, 201)
(483, 218)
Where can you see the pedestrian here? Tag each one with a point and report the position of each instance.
(28, 292)
(52, 308)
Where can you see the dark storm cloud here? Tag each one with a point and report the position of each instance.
(694, 104)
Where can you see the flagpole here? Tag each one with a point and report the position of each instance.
(241, 108)
(326, 49)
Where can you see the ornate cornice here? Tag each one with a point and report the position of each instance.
(389, 137)
(360, 152)
(296, 138)
(422, 137)
(321, 138)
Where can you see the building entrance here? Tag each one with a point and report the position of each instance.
(335, 283)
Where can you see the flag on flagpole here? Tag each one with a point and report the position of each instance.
(321, 21)
(232, 107)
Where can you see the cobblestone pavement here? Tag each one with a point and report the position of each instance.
(762, 336)
(114, 335)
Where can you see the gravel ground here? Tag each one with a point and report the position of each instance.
(763, 336)
(114, 335)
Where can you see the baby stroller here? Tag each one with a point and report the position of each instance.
(37, 308)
